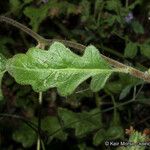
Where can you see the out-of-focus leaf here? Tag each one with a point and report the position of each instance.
(145, 50)
(137, 27)
(114, 132)
(113, 5)
(37, 15)
(125, 92)
(85, 5)
(52, 126)
(25, 135)
(112, 19)
(114, 87)
(99, 137)
(52, 8)
(129, 80)
(130, 50)
(83, 123)
(59, 67)
(15, 5)
(98, 4)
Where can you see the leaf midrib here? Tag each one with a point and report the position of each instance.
(66, 69)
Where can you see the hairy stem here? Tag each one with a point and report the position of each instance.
(36, 36)
(42, 42)
(39, 122)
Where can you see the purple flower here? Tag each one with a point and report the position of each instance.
(129, 17)
(45, 1)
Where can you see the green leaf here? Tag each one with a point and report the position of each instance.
(112, 19)
(25, 135)
(145, 50)
(114, 87)
(37, 15)
(114, 132)
(130, 50)
(113, 5)
(51, 125)
(85, 5)
(125, 92)
(83, 146)
(99, 137)
(126, 80)
(15, 6)
(59, 67)
(83, 123)
(137, 27)
(2, 71)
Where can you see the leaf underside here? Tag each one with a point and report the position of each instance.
(59, 67)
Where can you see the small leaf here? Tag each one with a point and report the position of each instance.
(114, 132)
(15, 6)
(130, 50)
(85, 5)
(99, 137)
(25, 135)
(37, 15)
(114, 87)
(59, 67)
(99, 82)
(145, 50)
(125, 92)
(52, 126)
(113, 5)
(137, 27)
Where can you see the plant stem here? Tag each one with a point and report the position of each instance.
(42, 42)
(36, 36)
(127, 3)
(39, 122)
(40, 98)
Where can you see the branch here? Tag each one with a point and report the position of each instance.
(22, 27)
(42, 42)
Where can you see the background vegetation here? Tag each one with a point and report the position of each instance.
(83, 120)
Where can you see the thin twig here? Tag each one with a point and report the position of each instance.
(39, 122)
